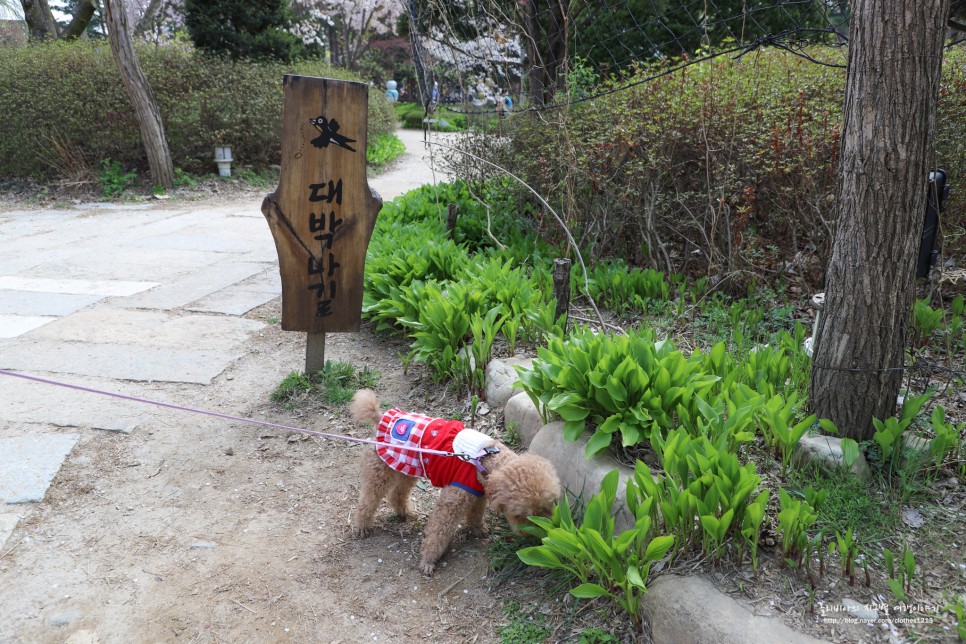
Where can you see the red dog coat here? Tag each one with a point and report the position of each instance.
(415, 430)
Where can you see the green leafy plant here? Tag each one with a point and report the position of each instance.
(900, 576)
(382, 149)
(335, 383)
(778, 415)
(183, 179)
(627, 386)
(702, 482)
(847, 549)
(925, 320)
(621, 289)
(794, 520)
(605, 564)
(113, 179)
(888, 433)
(947, 437)
(338, 381)
(596, 636)
(294, 384)
(439, 330)
(484, 330)
(959, 611)
(766, 370)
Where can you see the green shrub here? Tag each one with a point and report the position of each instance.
(453, 292)
(624, 386)
(78, 112)
(724, 167)
(606, 564)
(620, 288)
(113, 179)
(383, 149)
(411, 116)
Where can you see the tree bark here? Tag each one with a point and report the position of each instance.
(40, 21)
(894, 63)
(547, 45)
(139, 91)
(148, 19)
(82, 18)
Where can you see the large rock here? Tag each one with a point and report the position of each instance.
(522, 415)
(684, 610)
(826, 452)
(500, 377)
(580, 477)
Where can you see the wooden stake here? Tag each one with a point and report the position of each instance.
(561, 286)
(314, 352)
(451, 211)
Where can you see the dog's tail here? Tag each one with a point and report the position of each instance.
(364, 407)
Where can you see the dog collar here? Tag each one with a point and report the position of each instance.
(477, 460)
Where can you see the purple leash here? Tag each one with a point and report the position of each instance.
(475, 460)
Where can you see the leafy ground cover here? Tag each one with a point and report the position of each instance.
(703, 394)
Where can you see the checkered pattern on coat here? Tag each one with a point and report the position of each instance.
(401, 428)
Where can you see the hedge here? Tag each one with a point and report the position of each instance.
(65, 110)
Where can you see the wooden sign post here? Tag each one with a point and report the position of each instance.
(323, 212)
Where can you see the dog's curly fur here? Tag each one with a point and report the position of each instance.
(518, 486)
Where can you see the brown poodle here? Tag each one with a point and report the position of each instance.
(516, 486)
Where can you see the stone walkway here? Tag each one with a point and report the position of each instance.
(105, 295)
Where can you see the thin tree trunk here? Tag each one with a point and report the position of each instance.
(82, 18)
(40, 21)
(895, 57)
(139, 91)
(547, 48)
(147, 21)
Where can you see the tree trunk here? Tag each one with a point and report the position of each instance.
(895, 57)
(139, 91)
(547, 45)
(82, 18)
(149, 18)
(40, 21)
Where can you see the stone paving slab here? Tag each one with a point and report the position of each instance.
(143, 329)
(194, 286)
(123, 362)
(233, 301)
(7, 524)
(239, 299)
(107, 205)
(206, 242)
(44, 304)
(104, 288)
(29, 463)
(26, 402)
(155, 267)
(12, 326)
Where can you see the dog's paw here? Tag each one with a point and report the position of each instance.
(427, 568)
(360, 531)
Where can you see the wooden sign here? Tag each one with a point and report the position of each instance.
(323, 212)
